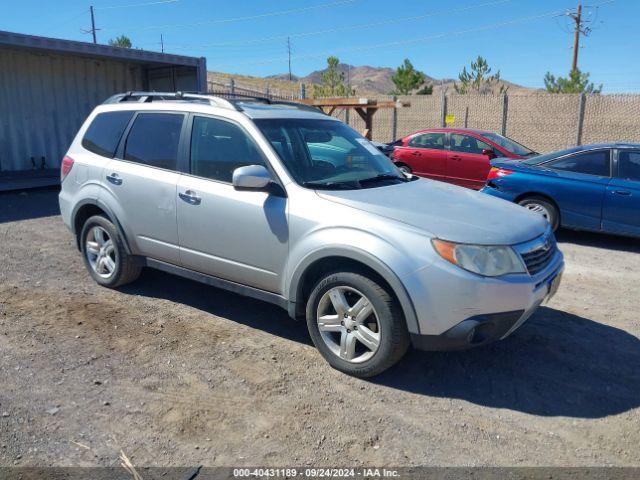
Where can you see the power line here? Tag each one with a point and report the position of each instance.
(137, 4)
(414, 40)
(344, 28)
(248, 17)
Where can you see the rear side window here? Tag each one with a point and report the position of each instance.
(153, 140)
(104, 133)
(629, 165)
(591, 163)
(219, 147)
(428, 140)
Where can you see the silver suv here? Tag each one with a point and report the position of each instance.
(285, 204)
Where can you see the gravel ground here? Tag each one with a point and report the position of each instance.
(176, 373)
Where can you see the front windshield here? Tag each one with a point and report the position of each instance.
(328, 154)
(509, 145)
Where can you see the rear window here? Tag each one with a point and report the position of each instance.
(153, 140)
(590, 163)
(104, 133)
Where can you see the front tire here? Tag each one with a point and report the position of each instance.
(356, 324)
(104, 253)
(404, 168)
(543, 207)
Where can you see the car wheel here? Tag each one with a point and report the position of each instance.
(404, 168)
(542, 207)
(104, 254)
(356, 324)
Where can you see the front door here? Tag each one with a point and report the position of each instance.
(467, 166)
(142, 179)
(240, 236)
(621, 208)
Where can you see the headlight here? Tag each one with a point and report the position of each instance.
(486, 260)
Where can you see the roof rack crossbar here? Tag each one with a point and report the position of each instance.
(233, 103)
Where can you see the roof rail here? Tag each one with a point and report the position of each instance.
(233, 103)
(145, 97)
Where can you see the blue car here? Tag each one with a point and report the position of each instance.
(591, 187)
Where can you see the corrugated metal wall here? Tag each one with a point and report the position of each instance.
(44, 98)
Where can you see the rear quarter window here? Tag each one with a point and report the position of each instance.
(104, 133)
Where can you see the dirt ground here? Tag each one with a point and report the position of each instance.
(176, 373)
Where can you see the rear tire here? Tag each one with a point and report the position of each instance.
(543, 207)
(105, 255)
(365, 337)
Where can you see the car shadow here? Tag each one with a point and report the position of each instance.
(28, 204)
(556, 364)
(240, 309)
(598, 240)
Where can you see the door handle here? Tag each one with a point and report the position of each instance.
(416, 154)
(456, 157)
(622, 192)
(190, 197)
(115, 179)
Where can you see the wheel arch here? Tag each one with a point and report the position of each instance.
(90, 207)
(544, 196)
(319, 263)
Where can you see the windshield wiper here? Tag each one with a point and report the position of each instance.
(382, 177)
(332, 185)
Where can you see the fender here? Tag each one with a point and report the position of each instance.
(104, 207)
(364, 257)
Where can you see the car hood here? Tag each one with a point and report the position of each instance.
(446, 211)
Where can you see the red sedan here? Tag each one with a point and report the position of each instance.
(455, 155)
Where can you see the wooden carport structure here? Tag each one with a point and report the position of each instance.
(364, 107)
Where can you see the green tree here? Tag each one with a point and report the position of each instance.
(426, 90)
(333, 82)
(576, 82)
(407, 78)
(479, 79)
(121, 41)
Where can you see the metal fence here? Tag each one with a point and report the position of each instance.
(541, 121)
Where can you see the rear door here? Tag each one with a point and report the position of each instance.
(621, 209)
(142, 181)
(578, 186)
(425, 154)
(467, 166)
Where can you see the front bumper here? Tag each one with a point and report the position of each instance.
(457, 310)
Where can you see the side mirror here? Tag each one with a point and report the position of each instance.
(251, 177)
(489, 152)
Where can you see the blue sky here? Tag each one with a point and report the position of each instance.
(522, 38)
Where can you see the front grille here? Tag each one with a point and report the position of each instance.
(540, 256)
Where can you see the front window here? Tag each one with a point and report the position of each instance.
(328, 154)
(509, 145)
(468, 144)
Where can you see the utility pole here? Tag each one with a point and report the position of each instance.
(93, 25)
(161, 44)
(577, 18)
(289, 52)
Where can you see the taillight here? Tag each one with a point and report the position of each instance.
(65, 168)
(496, 172)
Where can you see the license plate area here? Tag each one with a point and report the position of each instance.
(552, 286)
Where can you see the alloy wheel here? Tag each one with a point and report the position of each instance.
(539, 209)
(348, 324)
(101, 252)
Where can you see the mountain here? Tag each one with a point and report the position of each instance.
(367, 80)
(363, 79)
